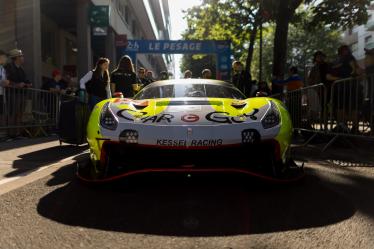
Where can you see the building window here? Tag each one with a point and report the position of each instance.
(123, 10)
(70, 52)
(127, 15)
(134, 28)
(49, 47)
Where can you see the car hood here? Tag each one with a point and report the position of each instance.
(189, 111)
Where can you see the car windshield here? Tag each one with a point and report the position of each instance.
(189, 90)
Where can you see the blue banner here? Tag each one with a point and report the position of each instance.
(176, 47)
(221, 48)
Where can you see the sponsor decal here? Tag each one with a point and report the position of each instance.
(207, 142)
(175, 46)
(194, 142)
(224, 118)
(190, 118)
(129, 114)
(158, 118)
(167, 142)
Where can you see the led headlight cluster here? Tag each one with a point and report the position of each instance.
(107, 119)
(272, 117)
(129, 136)
(250, 136)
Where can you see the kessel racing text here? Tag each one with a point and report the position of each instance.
(194, 142)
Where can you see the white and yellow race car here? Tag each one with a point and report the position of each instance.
(188, 125)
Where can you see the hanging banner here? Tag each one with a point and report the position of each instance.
(221, 48)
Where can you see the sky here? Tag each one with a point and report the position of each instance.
(178, 24)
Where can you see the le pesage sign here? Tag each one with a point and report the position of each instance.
(167, 46)
(221, 48)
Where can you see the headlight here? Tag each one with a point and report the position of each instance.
(129, 136)
(250, 136)
(107, 119)
(272, 117)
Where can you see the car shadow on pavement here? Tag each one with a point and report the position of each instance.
(18, 143)
(358, 153)
(201, 205)
(37, 159)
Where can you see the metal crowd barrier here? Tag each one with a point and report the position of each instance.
(306, 108)
(352, 105)
(29, 111)
(344, 109)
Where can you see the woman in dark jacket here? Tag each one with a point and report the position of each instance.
(97, 83)
(124, 76)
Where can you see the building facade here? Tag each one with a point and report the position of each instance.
(59, 34)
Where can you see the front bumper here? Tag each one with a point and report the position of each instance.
(119, 158)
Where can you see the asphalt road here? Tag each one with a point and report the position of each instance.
(333, 207)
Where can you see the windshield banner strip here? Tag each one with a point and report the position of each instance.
(189, 102)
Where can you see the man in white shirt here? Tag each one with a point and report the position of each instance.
(3, 83)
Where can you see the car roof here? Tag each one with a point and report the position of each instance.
(190, 81)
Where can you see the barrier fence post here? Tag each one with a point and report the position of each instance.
(343, 109)
(29, 111)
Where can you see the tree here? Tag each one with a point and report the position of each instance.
(302, 43)
(304, 40)
(334, 13)
(235, 20)
(285, 10)
(239, 20)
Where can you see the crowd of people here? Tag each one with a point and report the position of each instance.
(100, 84)
(345, 98)
(12, 73)
(348, 99)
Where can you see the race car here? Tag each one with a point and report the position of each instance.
(188, 125)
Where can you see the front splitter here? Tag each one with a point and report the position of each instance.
(291, 175)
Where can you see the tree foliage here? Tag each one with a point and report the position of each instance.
(222, 20)
(333, 13)
(238, 20)
(302, 41)
(339, 14)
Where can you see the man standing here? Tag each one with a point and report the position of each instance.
(240, 79)
(17, 98)
(319, 70)
(164, 75)
(56, 84)
(142, 77)
(206, 74)
(291, 84)
(3, 83)
(15, 72)
(188, 74)
(318, 75)
(348, 97)
(149, 76)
